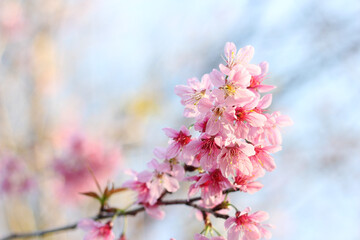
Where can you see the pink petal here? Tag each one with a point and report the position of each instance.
(160, 152)
(87, 224)
(242, 78)
(155, 212)
(170, 183)
(245, 166)
(170, 132)
(181, 90)
(173, 150)
(264, 67)
(265, 101)
(265, 88)
(253, 69)
(213, 126)
(245, 54)
(144, 176)
(230, 221)
(259, 216)
(256, 119)
(233, 233)
(248, 149)
(253, 187)
(217, 78)
(194, 83)
(229, 50)
(225, 70)
(284, 121)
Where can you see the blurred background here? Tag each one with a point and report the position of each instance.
(88, 82)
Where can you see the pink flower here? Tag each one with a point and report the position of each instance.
(244, 226)
(214, 112)
(148, 190)
(233, 87)
(171, 166)
(179, 140)
(211, 184)
(140, 185)
(96, 230)
(207, 148)
(162, 180)
(246, 118)
(202, 237)
(256, 81)
(235, 156)
(247, 183)
(263, 157)
(193, 93)
(271, 129)
(242, 57)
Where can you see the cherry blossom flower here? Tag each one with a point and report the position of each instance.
(256, 80)
(235, 156)
(247, 183)
(193, 93)
(140, 185)
(247, 226)
(207, 148)
(96, 230)
(161, 180)
(271, 130)
(263, 158)
(242, 57)
(233, 87)
(171, 165)
(211, 184)
(179, 139)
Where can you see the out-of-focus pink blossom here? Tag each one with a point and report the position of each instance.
(14, 176)
(73, 163)
(11, 18)
(96, 230)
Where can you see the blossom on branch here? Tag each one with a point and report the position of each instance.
(96, 230)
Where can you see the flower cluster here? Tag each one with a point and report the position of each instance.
(226, 149)
(236, 133)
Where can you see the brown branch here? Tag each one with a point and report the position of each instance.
(105, 215)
